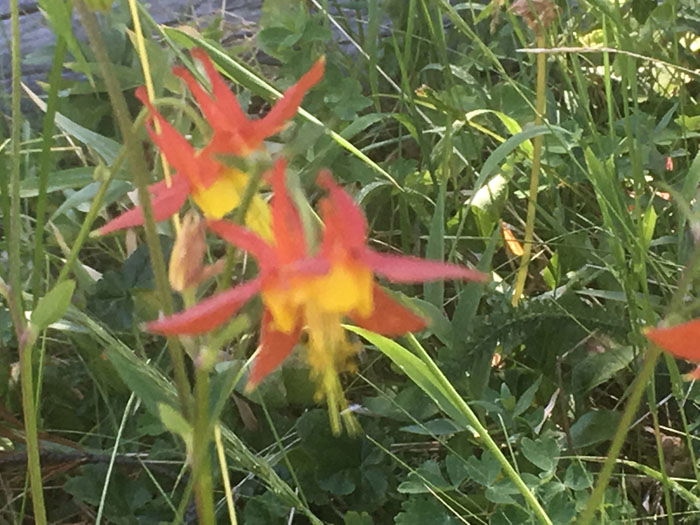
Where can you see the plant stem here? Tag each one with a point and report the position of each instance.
(45, 164)
(137, 164)
(25, 337)
(201, 460)
(228, 490)
(483, 433)
(534, 174)
(619, 438)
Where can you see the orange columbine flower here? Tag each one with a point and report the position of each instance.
(682, 340)
(216, 189)
(315, 292)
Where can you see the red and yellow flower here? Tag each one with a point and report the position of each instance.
(316, 293)
(215, 188)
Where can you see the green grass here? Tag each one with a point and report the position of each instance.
(427, 114)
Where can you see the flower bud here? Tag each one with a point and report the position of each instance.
(537, 14)
(186, 268)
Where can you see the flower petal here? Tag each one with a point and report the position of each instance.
(207, 314)
(286, 222)
(682, 340)
(222, 110)
(289, 104)
(345, 223)
(246, 240)
(407, 269)
(389, 317)
(275, 347)
(165, 201)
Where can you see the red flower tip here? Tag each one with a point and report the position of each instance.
(199, 54)
(276, 176)
(325, 180)
(682, 340)
(345, 221)
(142, 95)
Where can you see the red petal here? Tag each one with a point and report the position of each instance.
(289, 104)
(309, 267)
(166, 202)
(222, 110)
(207, 314)
(345, 223)
(389, 317)
(406, 269)
(682, 340)
(200, 170)
(275, 347)
(244, 239)
(286, 222)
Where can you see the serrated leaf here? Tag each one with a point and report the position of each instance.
(53, 305)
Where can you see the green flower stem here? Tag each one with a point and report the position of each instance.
(618, 440)
(239, 217)
(45, 163)
(201, 441)
(483, 433)
(534, 174)
(25, 336)
(137, 164)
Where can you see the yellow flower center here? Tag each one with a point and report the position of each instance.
(324, 301)
(345, 289)
(329, 353)
(226, 193)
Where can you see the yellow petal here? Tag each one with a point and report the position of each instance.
(346, 288)
(223, 195)
(226, 193)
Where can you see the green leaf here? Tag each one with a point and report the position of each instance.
(425, 479)
(415, 369)
(597, 368)
(594, 427)
(107, 148)
(436, 427)
(435, 291)
(501, 152)
(484, 471)
(456, 469)
(542, 453)
(58, 181)
(422, 510)
(53, 305)
(357, 518)
(438, 323)
(577, 477)
(526, 399)
(489, 200)
(175, 423)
